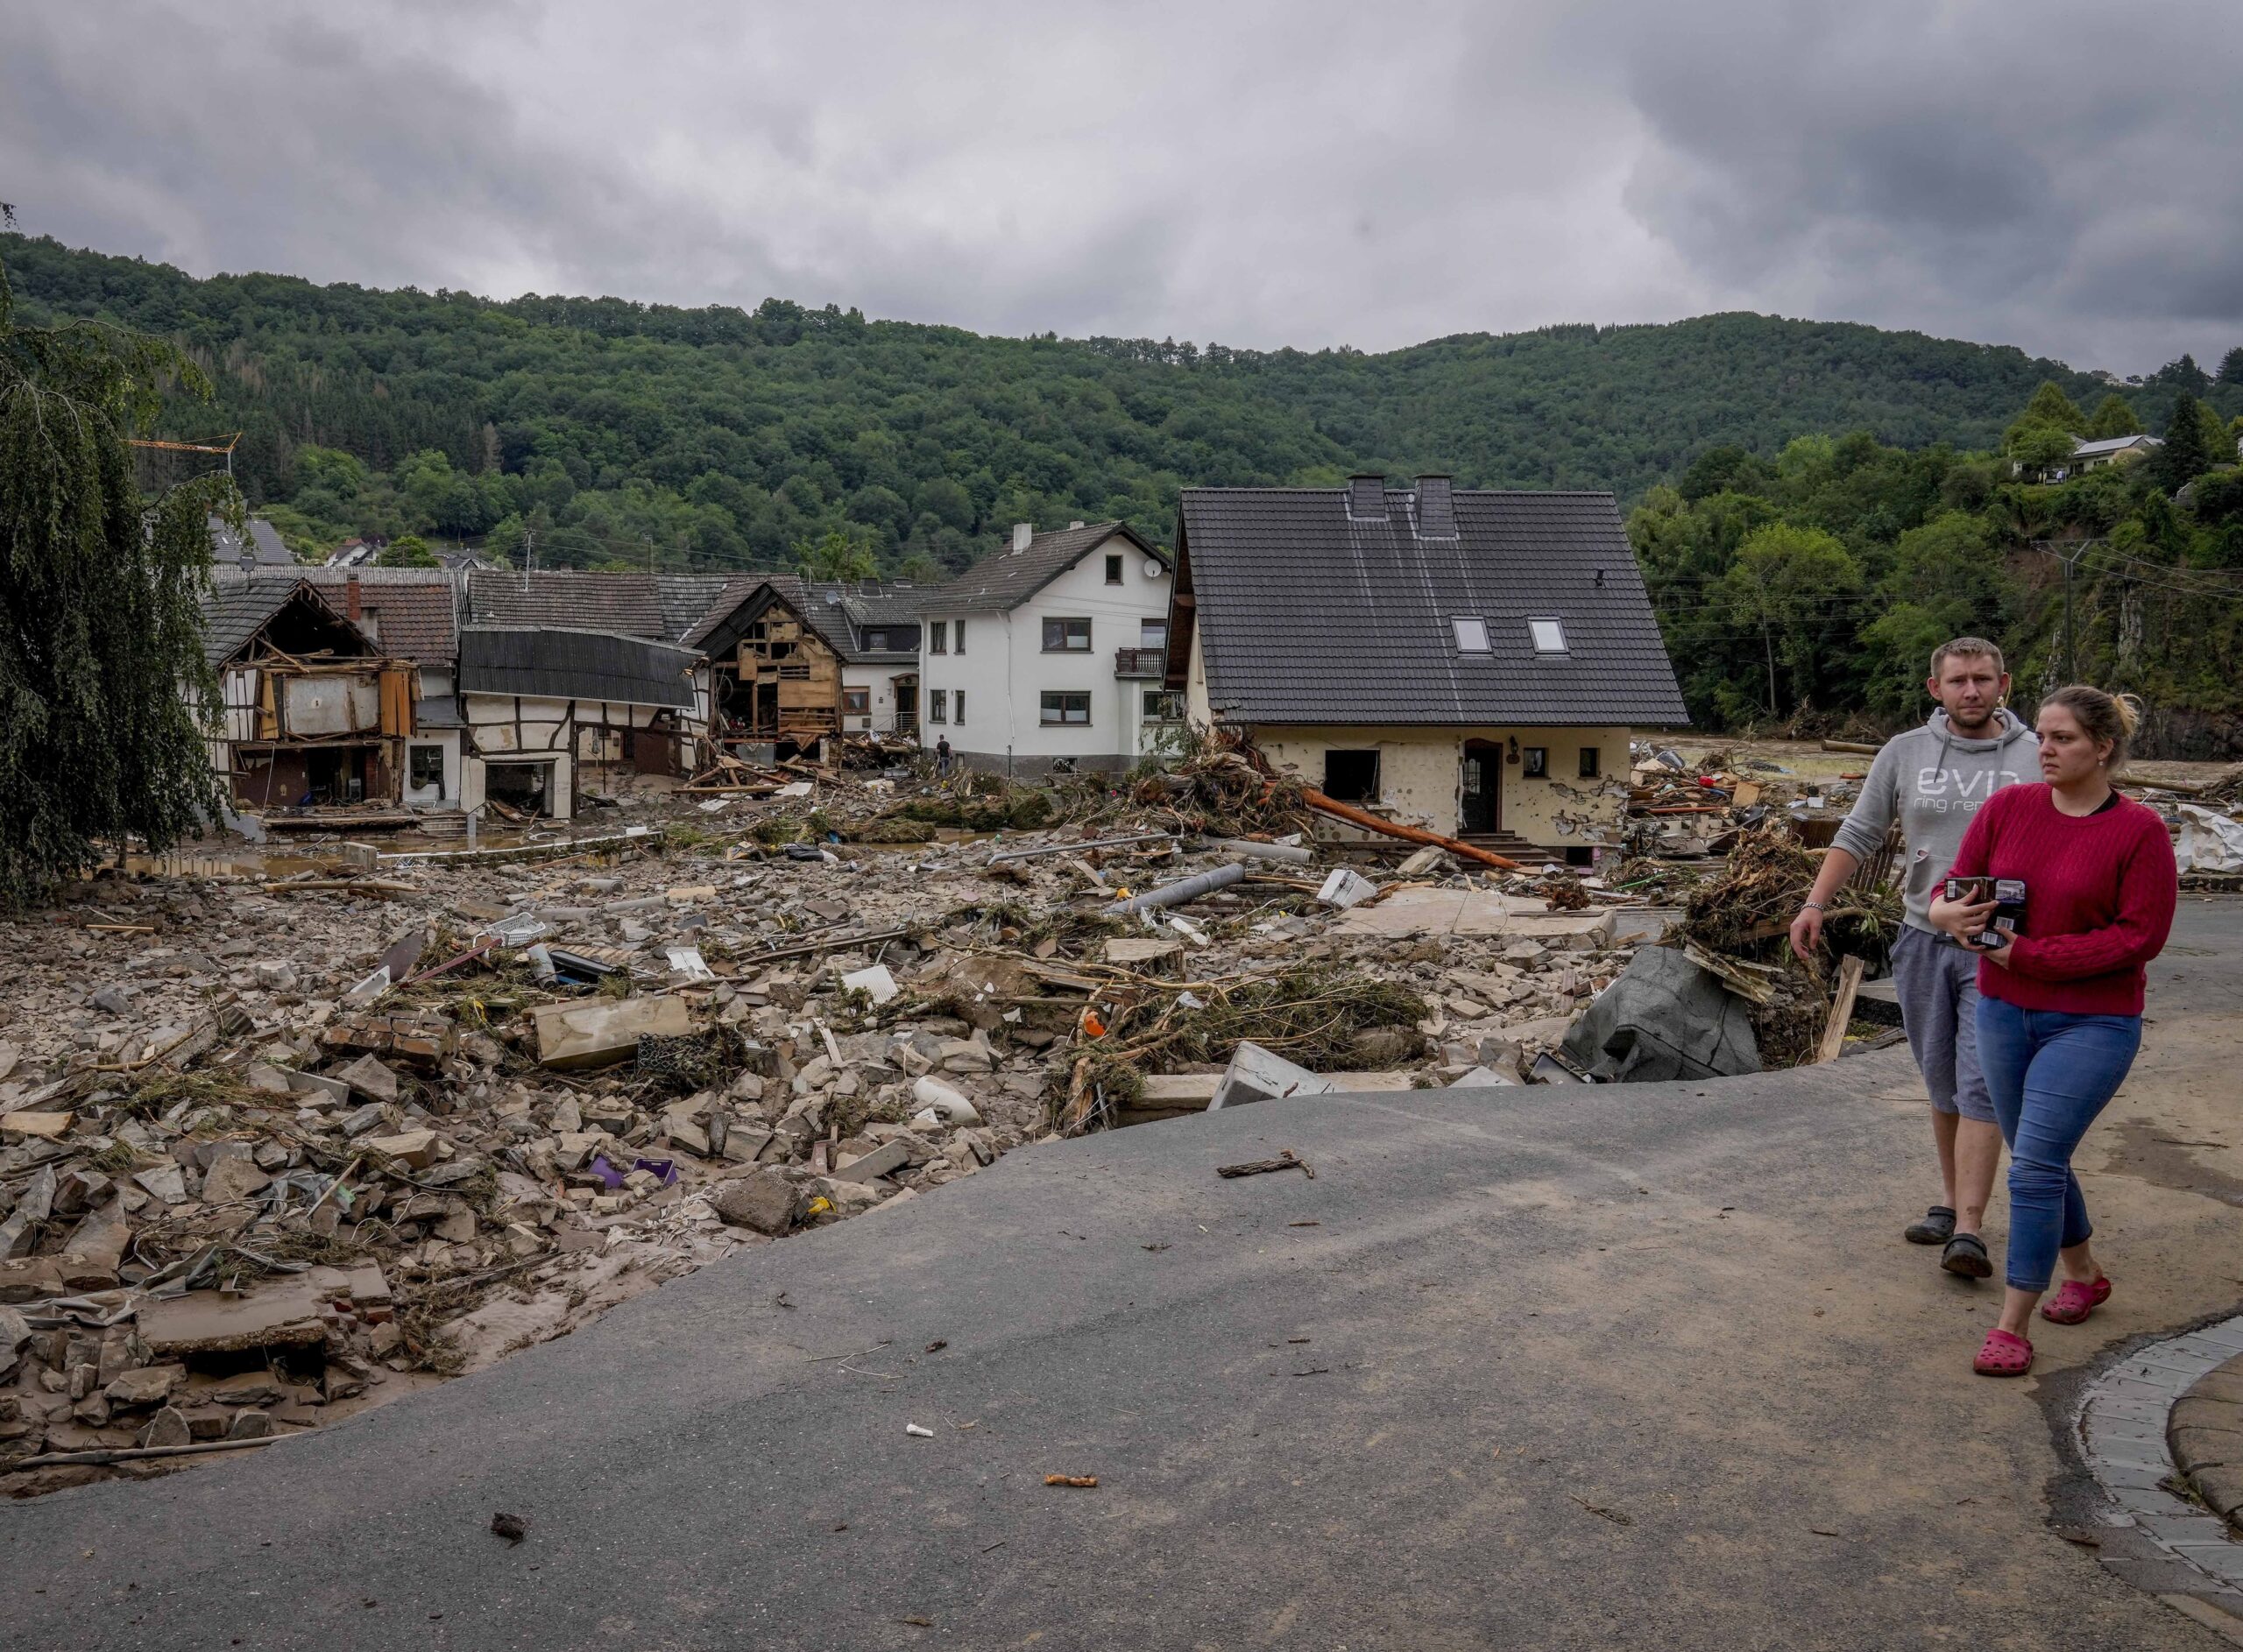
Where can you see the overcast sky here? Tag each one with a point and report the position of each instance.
(2064, 176)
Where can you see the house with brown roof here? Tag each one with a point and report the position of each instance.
(1050, 652)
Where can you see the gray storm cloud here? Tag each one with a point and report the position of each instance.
(1260, 173)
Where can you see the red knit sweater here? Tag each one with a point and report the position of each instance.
(2099, 893)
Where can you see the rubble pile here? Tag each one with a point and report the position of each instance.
(275, 1146)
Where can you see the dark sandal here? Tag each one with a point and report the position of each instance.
(1966, 1255)
(1936, 1228)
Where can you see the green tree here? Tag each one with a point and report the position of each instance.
(835, 556)
(1946, 581)
(104, 687)
(2114, 416)
(2231, 366)
(409, 550)
(2039, 447)
(2186, 454)
(1786, 586)
(2050, 406)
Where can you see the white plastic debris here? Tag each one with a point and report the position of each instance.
(689, 963)
(798, 788)
(2209, 841)
(1345, 888)
(1188, 930)
(875, 983)
(944, 1103)
(715, 805)
(370, 989)
(1190, 1001)
(918, 1433)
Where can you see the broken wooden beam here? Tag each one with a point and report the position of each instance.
(1370, 821)
(1842, 1010)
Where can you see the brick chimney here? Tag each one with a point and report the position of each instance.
(1367, 498)
(1022, 533)
(350, 596)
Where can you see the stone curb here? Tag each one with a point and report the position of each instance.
(2173, 1547)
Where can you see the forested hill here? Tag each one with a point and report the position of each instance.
(721, 437)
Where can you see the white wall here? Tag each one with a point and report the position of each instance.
(881, 680)
(1004, 671)
(430, 797)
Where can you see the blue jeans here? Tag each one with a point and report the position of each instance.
(2049, 1073)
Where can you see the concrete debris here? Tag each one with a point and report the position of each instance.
(296, 1189)
(1256, 1075)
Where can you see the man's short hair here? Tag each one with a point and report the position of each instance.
(1966, 649)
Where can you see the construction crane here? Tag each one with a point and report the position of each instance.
(224, 448)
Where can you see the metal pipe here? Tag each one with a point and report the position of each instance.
(1176, 894)
(1295, 853)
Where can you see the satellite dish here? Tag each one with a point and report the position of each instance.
(1153, 569)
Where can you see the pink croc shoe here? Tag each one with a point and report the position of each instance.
(2003, 1355)
(2072, 1303)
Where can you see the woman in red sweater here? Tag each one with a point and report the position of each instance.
(2060, 1002)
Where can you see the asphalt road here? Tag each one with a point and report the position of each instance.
(1645, 1365)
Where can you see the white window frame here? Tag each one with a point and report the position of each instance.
(1470, 633)
(1547, 633)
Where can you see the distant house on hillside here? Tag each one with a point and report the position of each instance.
(1470, 662)
(2114, 450)
(1050, 650)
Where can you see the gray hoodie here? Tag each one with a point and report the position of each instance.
(1934, 779)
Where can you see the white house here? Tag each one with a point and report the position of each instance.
(1052, 649)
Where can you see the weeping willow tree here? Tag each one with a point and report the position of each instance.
(104, 689)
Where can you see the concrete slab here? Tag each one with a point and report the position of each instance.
(1473, 911)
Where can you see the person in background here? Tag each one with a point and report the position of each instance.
(1933, 780)
(942, 757)
(2059, 1003)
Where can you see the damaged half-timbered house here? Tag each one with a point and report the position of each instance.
(315, 715)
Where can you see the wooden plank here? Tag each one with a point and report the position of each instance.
(1842, 1010)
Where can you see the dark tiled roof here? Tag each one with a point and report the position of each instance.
(683, 599)
(1008, 578)
(239, 603)
(413, 609)
(838, 613)
(628, 603)
(265, 548)
(556, 663)
(1308, 613)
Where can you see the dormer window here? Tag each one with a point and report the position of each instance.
(1471, 635)
(1549, 636)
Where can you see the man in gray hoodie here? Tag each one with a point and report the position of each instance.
(1933, 780)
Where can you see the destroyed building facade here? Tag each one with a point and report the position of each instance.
(313, 714)
(1467, 661)
(790, 661)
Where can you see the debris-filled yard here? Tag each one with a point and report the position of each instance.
(294, 1135)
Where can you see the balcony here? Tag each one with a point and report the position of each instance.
(1150, 663)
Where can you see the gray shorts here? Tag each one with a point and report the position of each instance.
(1938, 986)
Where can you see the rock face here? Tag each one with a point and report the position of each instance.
(764, 1200)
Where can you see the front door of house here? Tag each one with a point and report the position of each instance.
(1479, 791)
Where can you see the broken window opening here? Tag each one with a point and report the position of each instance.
(1592, 762)
(1351, 777)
